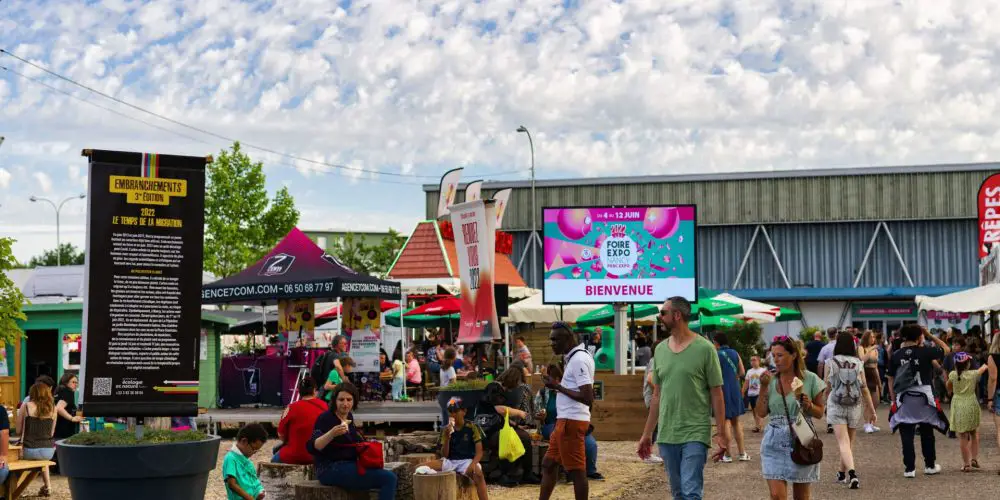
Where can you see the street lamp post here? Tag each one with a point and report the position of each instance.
(58, 209)
(534, 211)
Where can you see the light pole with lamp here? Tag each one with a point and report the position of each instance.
(58, 209)
(534, 211)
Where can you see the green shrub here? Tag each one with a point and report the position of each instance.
(806, 335)
(115, 437)
(476, 384)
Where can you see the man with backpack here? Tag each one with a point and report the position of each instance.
(914, 407)
(329, 361)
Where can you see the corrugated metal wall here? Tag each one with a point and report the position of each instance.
(894, 196)
(937, 253)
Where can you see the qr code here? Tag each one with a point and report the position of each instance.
(102, 386)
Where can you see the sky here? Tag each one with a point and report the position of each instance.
(401, 91)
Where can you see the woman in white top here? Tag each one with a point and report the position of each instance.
(845, 379)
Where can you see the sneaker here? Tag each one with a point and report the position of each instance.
(726, 459)
(855, 483)
(653, 459)
(910, 474)
(869, 429)
(930, 471)
(829, 429)
(595, 476)
(744, 458)
(876, 429)
(841, 478)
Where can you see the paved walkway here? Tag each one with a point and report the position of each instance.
(879, 463)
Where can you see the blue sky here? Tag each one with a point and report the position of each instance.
(415, 88)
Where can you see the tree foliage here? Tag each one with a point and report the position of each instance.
(11, 298)
(745, 339)
(806, 335)
(68, 255)
(241, 223)
(369, 259)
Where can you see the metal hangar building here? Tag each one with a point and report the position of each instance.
(844, 246)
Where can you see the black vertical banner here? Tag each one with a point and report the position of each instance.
(145, 222)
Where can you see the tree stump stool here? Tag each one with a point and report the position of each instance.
(443, 486)
(538, 451)
(312, 490)
(417, 458)
(279, 479)
(404, 478)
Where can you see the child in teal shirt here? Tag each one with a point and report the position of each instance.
(238, 471)
(334, 379)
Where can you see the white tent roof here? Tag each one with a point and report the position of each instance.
(984, 298)
(532, 310)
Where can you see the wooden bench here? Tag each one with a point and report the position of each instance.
(22, 473)
(312, 490)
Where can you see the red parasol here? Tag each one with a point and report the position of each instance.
(440, 307)
(334, 312)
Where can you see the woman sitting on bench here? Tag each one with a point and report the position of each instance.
(334, 447)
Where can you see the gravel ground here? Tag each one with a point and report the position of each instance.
(617, 461)
(878, 457)
(879, 462)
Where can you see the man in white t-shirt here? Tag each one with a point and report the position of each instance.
(573, 399)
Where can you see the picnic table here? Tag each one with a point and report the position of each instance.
(22, 473)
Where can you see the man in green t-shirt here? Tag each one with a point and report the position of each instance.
(687, 390)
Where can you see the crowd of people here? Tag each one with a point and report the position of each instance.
(318, 429)
(841, 377)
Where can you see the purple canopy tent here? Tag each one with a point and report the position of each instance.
(296, 269)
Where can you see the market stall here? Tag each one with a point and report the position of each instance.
(293, 276)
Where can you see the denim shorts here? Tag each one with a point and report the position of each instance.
(39, 453)
(776, 455)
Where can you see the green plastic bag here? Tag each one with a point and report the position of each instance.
(511, 448)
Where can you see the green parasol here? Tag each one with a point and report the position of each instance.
(713, 307)
(786, 314)
(605, 315)
(716, 321)
(420, 320)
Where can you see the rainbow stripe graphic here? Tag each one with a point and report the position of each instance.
(179, 387)
(150, 165)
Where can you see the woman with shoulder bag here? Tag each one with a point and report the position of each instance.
(790, 450)
(341, 457)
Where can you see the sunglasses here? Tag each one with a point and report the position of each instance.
(781, 339)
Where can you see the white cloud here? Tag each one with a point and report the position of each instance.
(607, 88)
(44, 181)
(4, 178)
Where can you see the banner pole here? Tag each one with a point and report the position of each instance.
(402, 331)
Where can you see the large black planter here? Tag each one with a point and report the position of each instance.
(167, 471)
(470, 399)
